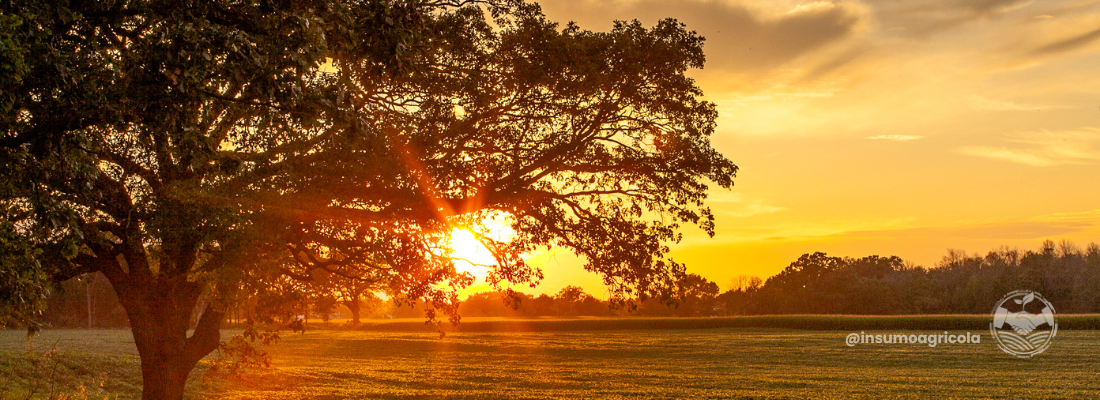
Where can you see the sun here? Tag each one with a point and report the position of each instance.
(470, 254)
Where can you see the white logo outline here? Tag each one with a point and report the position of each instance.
(1024, 339)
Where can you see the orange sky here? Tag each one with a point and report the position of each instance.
(892, 127)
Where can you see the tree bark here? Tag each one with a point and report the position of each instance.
(354, 307)
(160, 315)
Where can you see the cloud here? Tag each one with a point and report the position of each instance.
(1069, 44)
(752, 209)
(895, 137)
(735, 205)
(1044, 149)
(1026, 157)
(836, 62)
(1067, 8)
(1034, 229)
(927, 17)
(983, 103)
(739, 38)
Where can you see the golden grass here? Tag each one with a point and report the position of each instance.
(615, 358)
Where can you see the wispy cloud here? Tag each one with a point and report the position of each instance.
(1044, 149)
(926, 17)
(740, 37)
(752, 209)
(736, 205)
(895, 137)
(1027, 157)
(1069, 44)
(983, 103)
(1029, 229)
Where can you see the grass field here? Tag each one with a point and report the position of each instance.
(650, 363)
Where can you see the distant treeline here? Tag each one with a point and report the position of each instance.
(1066, 275)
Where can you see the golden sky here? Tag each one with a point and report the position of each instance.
(892, 127)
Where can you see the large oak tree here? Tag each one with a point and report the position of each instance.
(190, 149)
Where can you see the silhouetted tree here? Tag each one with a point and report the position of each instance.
(743, 283)
(197, 152)
(695, 296)
(354, 294)
(497, 304)
(543, 305)
(573, 301)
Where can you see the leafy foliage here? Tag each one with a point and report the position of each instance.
(212, 150)
(24, 282)
(241, 352)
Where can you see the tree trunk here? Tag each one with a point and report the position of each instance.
(160, 315)
(353, 306)
(163, 378)
(88, 294)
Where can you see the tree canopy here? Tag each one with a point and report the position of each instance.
(193, 150)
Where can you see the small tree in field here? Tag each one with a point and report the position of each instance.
(354, 294)
(194, 151)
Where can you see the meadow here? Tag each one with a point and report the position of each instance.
(729, 362)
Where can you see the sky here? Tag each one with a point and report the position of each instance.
(900, 127)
